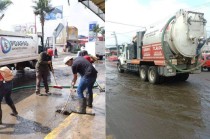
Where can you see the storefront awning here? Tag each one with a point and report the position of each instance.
(96, 6)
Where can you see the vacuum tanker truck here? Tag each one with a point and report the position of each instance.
(170, 49)
(19, 50)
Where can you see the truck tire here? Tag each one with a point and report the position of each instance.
(153, 75)
(143, 72)
(119, 67)
(32, 64)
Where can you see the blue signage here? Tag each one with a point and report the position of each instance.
(92, 34)
(92, 26)
(5, 45)
(57, 13)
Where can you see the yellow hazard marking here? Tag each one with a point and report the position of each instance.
(53, 134)
(109, 137)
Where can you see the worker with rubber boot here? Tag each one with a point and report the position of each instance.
(6, 86)
(89, 96)
(43, 67)
(88, 77)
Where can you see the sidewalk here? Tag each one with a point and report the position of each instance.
(80, 126)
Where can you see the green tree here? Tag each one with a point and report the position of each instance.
(3, 5)
(97, 30)
(102, 32)
(41, 8)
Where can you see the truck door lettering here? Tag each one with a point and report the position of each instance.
(19, 43)
(5, 45)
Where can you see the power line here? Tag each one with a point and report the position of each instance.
(190, 8)
(128, 31)
(194, 7)
(136, 30)
(124, 24)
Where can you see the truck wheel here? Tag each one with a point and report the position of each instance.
(119, 67)
(143, 70)
(32, 64)
(153, 75)
(208, 69)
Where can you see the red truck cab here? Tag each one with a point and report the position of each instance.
(205, 57)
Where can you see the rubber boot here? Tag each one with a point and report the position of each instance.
(37, 92)
(0, 116)
(81, 108)
(14, 111)
(89, 100)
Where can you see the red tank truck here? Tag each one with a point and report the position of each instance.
(167, 50)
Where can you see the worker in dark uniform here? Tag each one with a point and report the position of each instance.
(43, 66)
(56, 53)
(88, 77)
(5, 92)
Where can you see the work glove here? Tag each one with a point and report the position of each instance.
(72, 84)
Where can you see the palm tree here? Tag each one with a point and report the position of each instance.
(3, 6)
(41, 8)
(97, 30)
(102, 32)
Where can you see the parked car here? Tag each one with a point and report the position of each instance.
(205, 57)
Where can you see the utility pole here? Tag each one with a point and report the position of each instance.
(35, 25)
(1, 16)
(116, 43)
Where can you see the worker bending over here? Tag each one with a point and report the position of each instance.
(88, 77)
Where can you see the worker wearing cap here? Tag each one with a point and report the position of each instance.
(88, 77)
(43, 66)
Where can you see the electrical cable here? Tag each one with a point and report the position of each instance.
(124, 24)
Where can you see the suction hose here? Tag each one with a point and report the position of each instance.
(164, 50)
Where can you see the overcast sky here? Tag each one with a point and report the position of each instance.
(144, 13)
(21, 12)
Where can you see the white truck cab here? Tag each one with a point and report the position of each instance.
(19, 50)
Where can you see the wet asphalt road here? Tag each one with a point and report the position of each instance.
(37, 116)
(172, 110)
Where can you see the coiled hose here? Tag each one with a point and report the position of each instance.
(164, 50)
